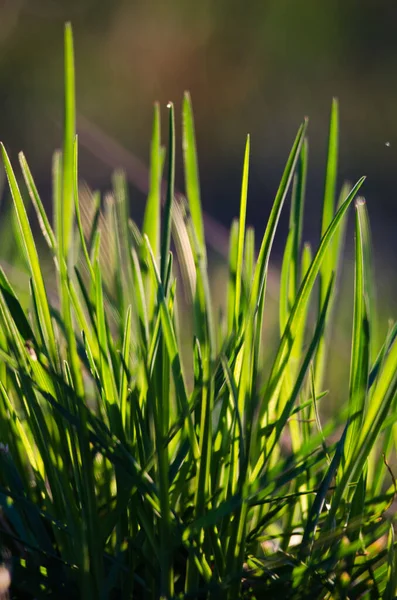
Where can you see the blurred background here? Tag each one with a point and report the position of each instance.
(256, 67)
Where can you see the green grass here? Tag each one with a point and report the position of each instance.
(132, 469)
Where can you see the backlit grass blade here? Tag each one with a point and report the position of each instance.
(37, 203)
(106, 368)
(285, 279)
(33, 260)
(166, 240)
(370, 292)
(360, 351)
(302, 299)
(241, 232)
(184, 250)
(308, 357)
(391, 586)
(123, 389)
(77, 208)
(249, 263)
(191, 171)
(330, 263)
(141, 299)
(330, 189)
(376, 413)
(264, 253)
(67, 210)
(231, 288)
(122, 235)
(319, 501)
(172, 348)
(296, 218)
(151, 223)
(152, 217)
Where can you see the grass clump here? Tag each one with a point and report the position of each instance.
(121, 476)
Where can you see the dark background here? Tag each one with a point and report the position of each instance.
(256, 67)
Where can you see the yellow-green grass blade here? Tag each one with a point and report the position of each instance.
(297, 312)
(141, 300)
(260, 273)
(184, 250)
(331, 260)
(174, 356)
(151, 222)
(125, 360)
(166, 239)
(231, 289)
(359, 366)
(391, 586)
(317, 506)
(192, 181)
(336, 250)
(106, 367)
(249, 264)
(329, 192)
(38, 205)
(296, 217)
(152, 217)
(377, 411)
(370, 293)
(77, 208)
(285, 303)
(124, 267)
(241, 232)
(64, 234)
(32, 257)
(254, 317)
(287, 409)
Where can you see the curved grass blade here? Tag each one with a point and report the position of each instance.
(294, 322)
(38, 205)
(260, 274)
(29, 245)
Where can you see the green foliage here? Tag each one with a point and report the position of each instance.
(123, 476)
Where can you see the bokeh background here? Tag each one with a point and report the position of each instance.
(256, 67)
